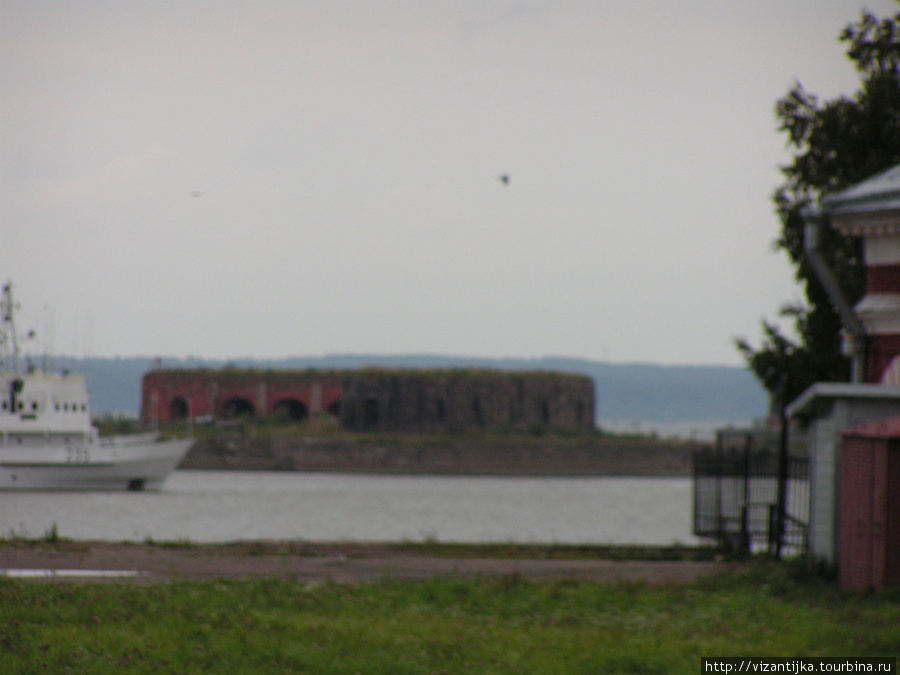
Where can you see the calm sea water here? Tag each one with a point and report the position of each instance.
(219, 506)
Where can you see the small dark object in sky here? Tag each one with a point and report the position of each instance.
(196, 194)
(504, 179)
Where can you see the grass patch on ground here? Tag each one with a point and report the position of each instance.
(557, 551)
(500, 624)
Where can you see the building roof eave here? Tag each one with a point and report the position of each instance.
(881, 192)
(809, 404)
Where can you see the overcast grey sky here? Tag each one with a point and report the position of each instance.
(269, 179)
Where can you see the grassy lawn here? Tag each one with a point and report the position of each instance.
(491, 625)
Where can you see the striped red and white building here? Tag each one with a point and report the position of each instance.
(871, 210)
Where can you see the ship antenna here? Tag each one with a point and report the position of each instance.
(8, 332)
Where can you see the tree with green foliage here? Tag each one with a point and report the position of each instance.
(836, 144)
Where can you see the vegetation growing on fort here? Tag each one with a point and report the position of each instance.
(398, 371)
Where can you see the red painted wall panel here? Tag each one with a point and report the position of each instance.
(857, 469)
(870, 508)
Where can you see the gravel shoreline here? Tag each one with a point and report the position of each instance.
(341, 563)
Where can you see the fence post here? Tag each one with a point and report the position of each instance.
(745, 529)
(720, 464)
(772, 528)
(782, 482)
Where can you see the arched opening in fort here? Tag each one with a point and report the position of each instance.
(545, 412)
(178, 408)
(334, 409)
(290, 409)
(370, 413)
(237, 406)
(476, 411)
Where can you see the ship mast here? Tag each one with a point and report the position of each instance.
(9, 346)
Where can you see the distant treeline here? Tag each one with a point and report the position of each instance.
(623, 392)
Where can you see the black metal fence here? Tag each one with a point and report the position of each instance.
(736, 493)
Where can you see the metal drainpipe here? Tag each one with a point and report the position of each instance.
(826, 277)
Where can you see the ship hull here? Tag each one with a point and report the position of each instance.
(119, 465)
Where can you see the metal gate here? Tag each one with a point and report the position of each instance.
(736, 493)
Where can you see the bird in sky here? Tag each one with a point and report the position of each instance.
(504, 179)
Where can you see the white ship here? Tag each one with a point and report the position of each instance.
(47, 441)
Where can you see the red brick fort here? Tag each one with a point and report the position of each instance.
(376, 399)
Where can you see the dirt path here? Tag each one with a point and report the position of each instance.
(345, 563)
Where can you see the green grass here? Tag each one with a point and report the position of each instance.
(490, 625)
(558, 551)
(329, 429)
(114, 425)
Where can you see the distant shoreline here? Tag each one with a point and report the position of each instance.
(629, 396)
